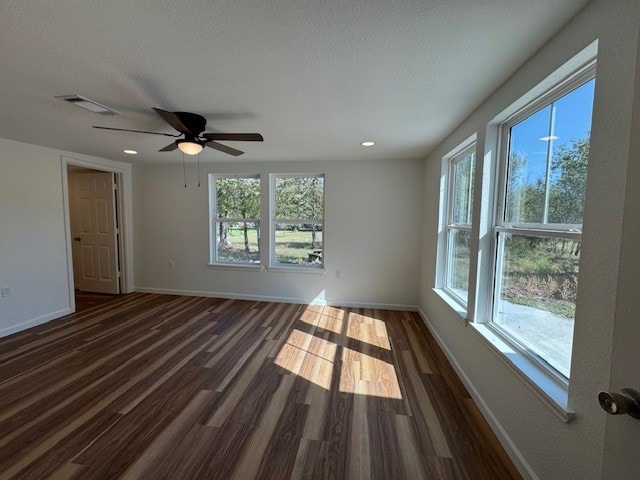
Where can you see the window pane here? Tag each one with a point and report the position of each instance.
(299, 198)
(536, 301)
(548, 154)
(238, 197)
(298, 244)
(458, 268)
(238, 242)
(527, 169)
(463, 189)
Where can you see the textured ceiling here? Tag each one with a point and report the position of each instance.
(314, 77)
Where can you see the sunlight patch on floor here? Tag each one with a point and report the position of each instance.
(311, 354)
(308, 356)
(366, 375)
(369, 330)
(322, 316)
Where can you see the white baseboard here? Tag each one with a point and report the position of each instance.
(34, 322)
(266, 298)
(514, 453)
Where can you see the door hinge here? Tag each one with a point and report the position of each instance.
(119, 274)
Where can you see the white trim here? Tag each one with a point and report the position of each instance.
(555, 230)
(453, 303)
(267, 298)
(236, 220)
(214, 218)
(235, 266)
(66, 218)
(466, 149)
(282, 267)
(505, 440)
(125, 204)
(581, 75)
(299, 175)
(297, 221)
(35, 321)
(492, 288)
(551, 392)
(460, 226)
(273, 177)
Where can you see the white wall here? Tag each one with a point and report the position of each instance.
(33, 242)
(372, 231)
(550, 448)
(33, 259)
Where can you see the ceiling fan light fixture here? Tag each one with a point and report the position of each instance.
(189, 148)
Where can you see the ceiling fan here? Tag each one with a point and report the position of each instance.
(192, 126)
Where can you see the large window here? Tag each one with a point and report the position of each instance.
(539, 222)
(458, 229)
(235, 219)
(297, 220)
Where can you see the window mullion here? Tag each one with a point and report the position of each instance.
(539, 232)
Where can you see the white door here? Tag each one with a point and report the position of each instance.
(622, 434)
(93, 228)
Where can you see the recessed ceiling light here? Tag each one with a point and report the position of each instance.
(549, 138)
(368, 143)
(130, 152)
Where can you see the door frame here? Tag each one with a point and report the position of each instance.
(124, 201)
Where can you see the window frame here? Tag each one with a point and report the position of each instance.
(501, 227)
(273, 265)
(449, 225)
(214, 219)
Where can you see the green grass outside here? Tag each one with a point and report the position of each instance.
(537, 274)
(292, 246)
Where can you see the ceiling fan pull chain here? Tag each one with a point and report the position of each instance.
(198, 169)
(184, 171)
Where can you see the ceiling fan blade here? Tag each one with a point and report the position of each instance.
(169, 148)
(136, 131)
(224, 148)
(239, 137)
(173, 120)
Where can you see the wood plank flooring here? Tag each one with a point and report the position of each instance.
(168, 387)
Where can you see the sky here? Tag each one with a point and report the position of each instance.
(572, 122)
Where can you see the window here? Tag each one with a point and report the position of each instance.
(235, 219)
(539, 222)
(458, 228)
(297, 220)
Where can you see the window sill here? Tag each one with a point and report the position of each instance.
(292, 269)
(233, 266)
(552, 392)
(453, 304)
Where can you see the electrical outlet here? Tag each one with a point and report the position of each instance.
(339, 274)
(6, 292)
(172, 265)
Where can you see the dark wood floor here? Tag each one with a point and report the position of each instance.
(87, 300)
(167, 387)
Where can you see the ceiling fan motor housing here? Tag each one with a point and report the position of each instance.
(194, 122)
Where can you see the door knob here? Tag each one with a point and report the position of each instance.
(618, 403)
(76, 239)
